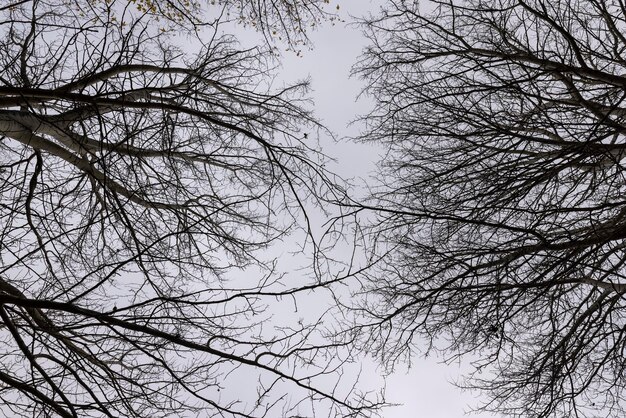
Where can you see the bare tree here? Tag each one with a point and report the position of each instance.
(139, 180)
(285, 20)
(500, 223)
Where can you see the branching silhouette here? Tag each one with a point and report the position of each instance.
(139, 180)
(500, 217)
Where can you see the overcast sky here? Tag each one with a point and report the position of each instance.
(426, 390)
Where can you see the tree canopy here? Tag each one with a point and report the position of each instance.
(286, 19)
(500, 212)
(150, 167)
(143, 173)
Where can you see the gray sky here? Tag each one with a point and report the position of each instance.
(425, 391)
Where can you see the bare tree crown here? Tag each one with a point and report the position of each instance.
(501, 217)
(137, 177)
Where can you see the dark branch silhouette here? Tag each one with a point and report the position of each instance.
(144, 168)
(500, 219)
